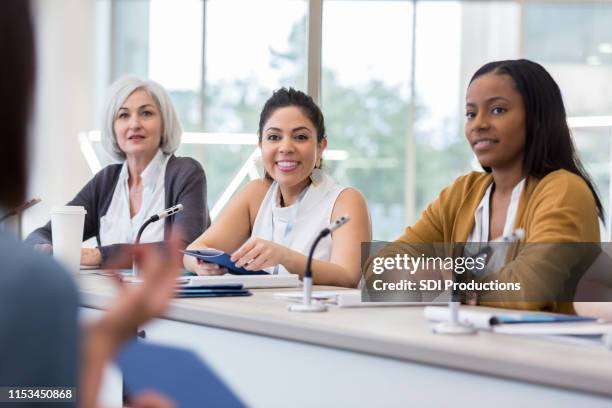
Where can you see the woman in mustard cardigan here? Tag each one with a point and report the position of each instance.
(517, 127)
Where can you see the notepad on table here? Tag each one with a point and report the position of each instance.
(533, 323)
(248, 281)
(343, 298)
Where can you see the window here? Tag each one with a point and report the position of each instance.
(579, 57)
(399, 143)
(365, 89)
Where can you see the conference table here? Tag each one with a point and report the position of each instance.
(368, 356)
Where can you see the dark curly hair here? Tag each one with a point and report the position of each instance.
(284, 97)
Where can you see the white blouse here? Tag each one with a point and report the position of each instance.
(116, 226)
(297, 225)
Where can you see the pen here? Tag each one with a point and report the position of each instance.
(514, 318)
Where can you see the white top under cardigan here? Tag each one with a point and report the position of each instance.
(480, 233)
(117, 227)
(313, 214)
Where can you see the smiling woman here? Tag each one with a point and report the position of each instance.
(141, 129)
(495, 125)
(271, 223)
(533, 180)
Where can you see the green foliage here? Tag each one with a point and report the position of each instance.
(369, 122)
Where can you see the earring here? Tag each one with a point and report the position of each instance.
(317, 174)
(260, 168)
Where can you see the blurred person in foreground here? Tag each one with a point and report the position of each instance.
(41, 343)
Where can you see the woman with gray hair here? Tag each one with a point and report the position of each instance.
(141, 130)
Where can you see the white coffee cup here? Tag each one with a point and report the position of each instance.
(67, 233)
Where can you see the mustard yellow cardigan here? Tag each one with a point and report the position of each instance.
(559, 208)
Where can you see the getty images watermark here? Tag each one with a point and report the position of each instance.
(491, 271)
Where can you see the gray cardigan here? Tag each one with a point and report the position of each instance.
(184, 183)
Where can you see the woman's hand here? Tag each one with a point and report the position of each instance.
(200, 267)
(258, 253)
(137, 303)
(91, 256)
(152, 399)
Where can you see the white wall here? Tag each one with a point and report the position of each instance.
(64, 103)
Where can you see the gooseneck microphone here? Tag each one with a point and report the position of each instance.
(168, 212)
(17, 212)
(21, 208)
(159, 216)
(307, 305)
(324, 232)
(453, 325)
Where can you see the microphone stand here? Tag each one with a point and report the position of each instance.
(143, 227)
(307, 305)
(137, 241)
(156, 217)
(454, 325)
(18, 211)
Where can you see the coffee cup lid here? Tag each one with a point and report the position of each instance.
(69, 209)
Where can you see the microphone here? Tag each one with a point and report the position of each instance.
(306, 305)
(335, 225)
(21, 208)
(454, 326)
(17, 213)
(168, 212)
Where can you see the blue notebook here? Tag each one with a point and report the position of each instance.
(128, 273)
(221, 258)
(230, 289)
(178, 374)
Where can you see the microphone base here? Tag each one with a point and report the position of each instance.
(313, 307)
(453, 329)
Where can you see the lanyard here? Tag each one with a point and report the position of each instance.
(290, 222)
